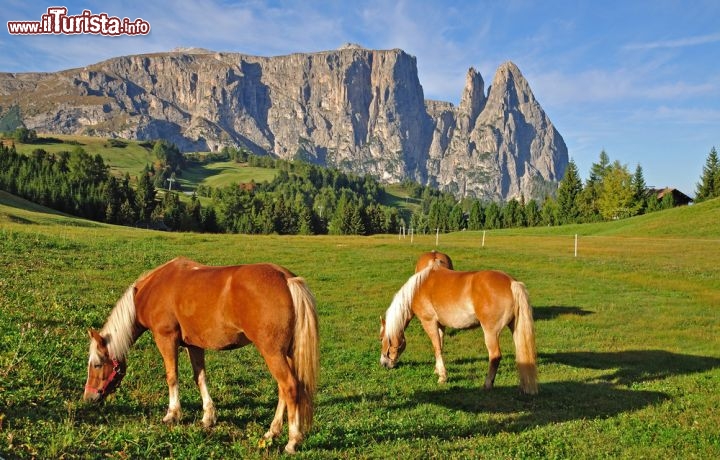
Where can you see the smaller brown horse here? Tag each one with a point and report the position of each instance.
(440, 297)
(433, 257)
(184, 303)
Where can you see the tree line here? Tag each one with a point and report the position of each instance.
(302, 198)
(610, 192)
(308, 199)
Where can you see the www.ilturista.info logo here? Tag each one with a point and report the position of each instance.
(57, 22)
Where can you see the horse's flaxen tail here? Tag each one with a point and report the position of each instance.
(524, 337)
(306, 352)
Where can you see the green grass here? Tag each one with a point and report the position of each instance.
(397, 196)
(224, 173)
(131, 157)
(628, 337)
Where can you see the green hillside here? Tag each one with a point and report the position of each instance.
(223, 173)
(700, 220)
(128, 156)
(121, 155)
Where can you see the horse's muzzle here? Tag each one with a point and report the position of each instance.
(91, 397)
(386, 362)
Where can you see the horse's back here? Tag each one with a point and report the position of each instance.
(215, 306)
(458, 295)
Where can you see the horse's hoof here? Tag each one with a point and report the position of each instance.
(442, 379)
(290, 449)
(171, 417)
(209, 420)
(207, 424)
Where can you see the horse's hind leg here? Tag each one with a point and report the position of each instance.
(288, 398)
(168, 347)
(492, 342)
(197, 358)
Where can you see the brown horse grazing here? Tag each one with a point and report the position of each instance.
(440, 297)
(433, 257)
(184, 303)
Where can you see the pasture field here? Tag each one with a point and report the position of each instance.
(628, 335)
(123, 156)
(224, 173)
(130, 156)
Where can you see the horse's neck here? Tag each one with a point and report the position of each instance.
(121, 329)
(410, 317)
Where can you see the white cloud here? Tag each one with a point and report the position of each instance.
(680, 115)
(677, 43)
(607, 86)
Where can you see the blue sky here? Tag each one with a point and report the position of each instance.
(639, 79)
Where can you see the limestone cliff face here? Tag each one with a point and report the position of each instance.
(356, 109)
(499, 147)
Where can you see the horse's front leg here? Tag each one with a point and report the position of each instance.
(197, 359)
(168, 347)
(435, 332)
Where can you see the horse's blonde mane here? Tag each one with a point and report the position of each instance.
(400, 310)
(118, 329)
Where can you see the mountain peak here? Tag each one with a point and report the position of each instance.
(354, 109)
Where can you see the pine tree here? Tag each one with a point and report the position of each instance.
(172, 210)
(493, 216)
(549, 212)
(113, 198)
(456, 219)
(567, 195)
(145, 196)
(640, 193)
(476, 217)
(709, 186)
(588, 200)
(208, 220)
(532, 213)
(512, 214)
(305, 219)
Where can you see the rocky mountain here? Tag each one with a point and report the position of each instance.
(356, 109)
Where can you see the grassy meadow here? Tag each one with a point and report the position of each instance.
(628, 336)
(122, 156)
(132, 156)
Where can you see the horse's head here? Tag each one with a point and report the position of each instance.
(104, 372)
(391, 348)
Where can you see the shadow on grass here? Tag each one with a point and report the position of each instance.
(633, 366)
(506, 410)
(541, 313)
(489, 413)
(199, 173)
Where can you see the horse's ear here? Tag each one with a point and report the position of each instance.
(95, 335)
(382, 321)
